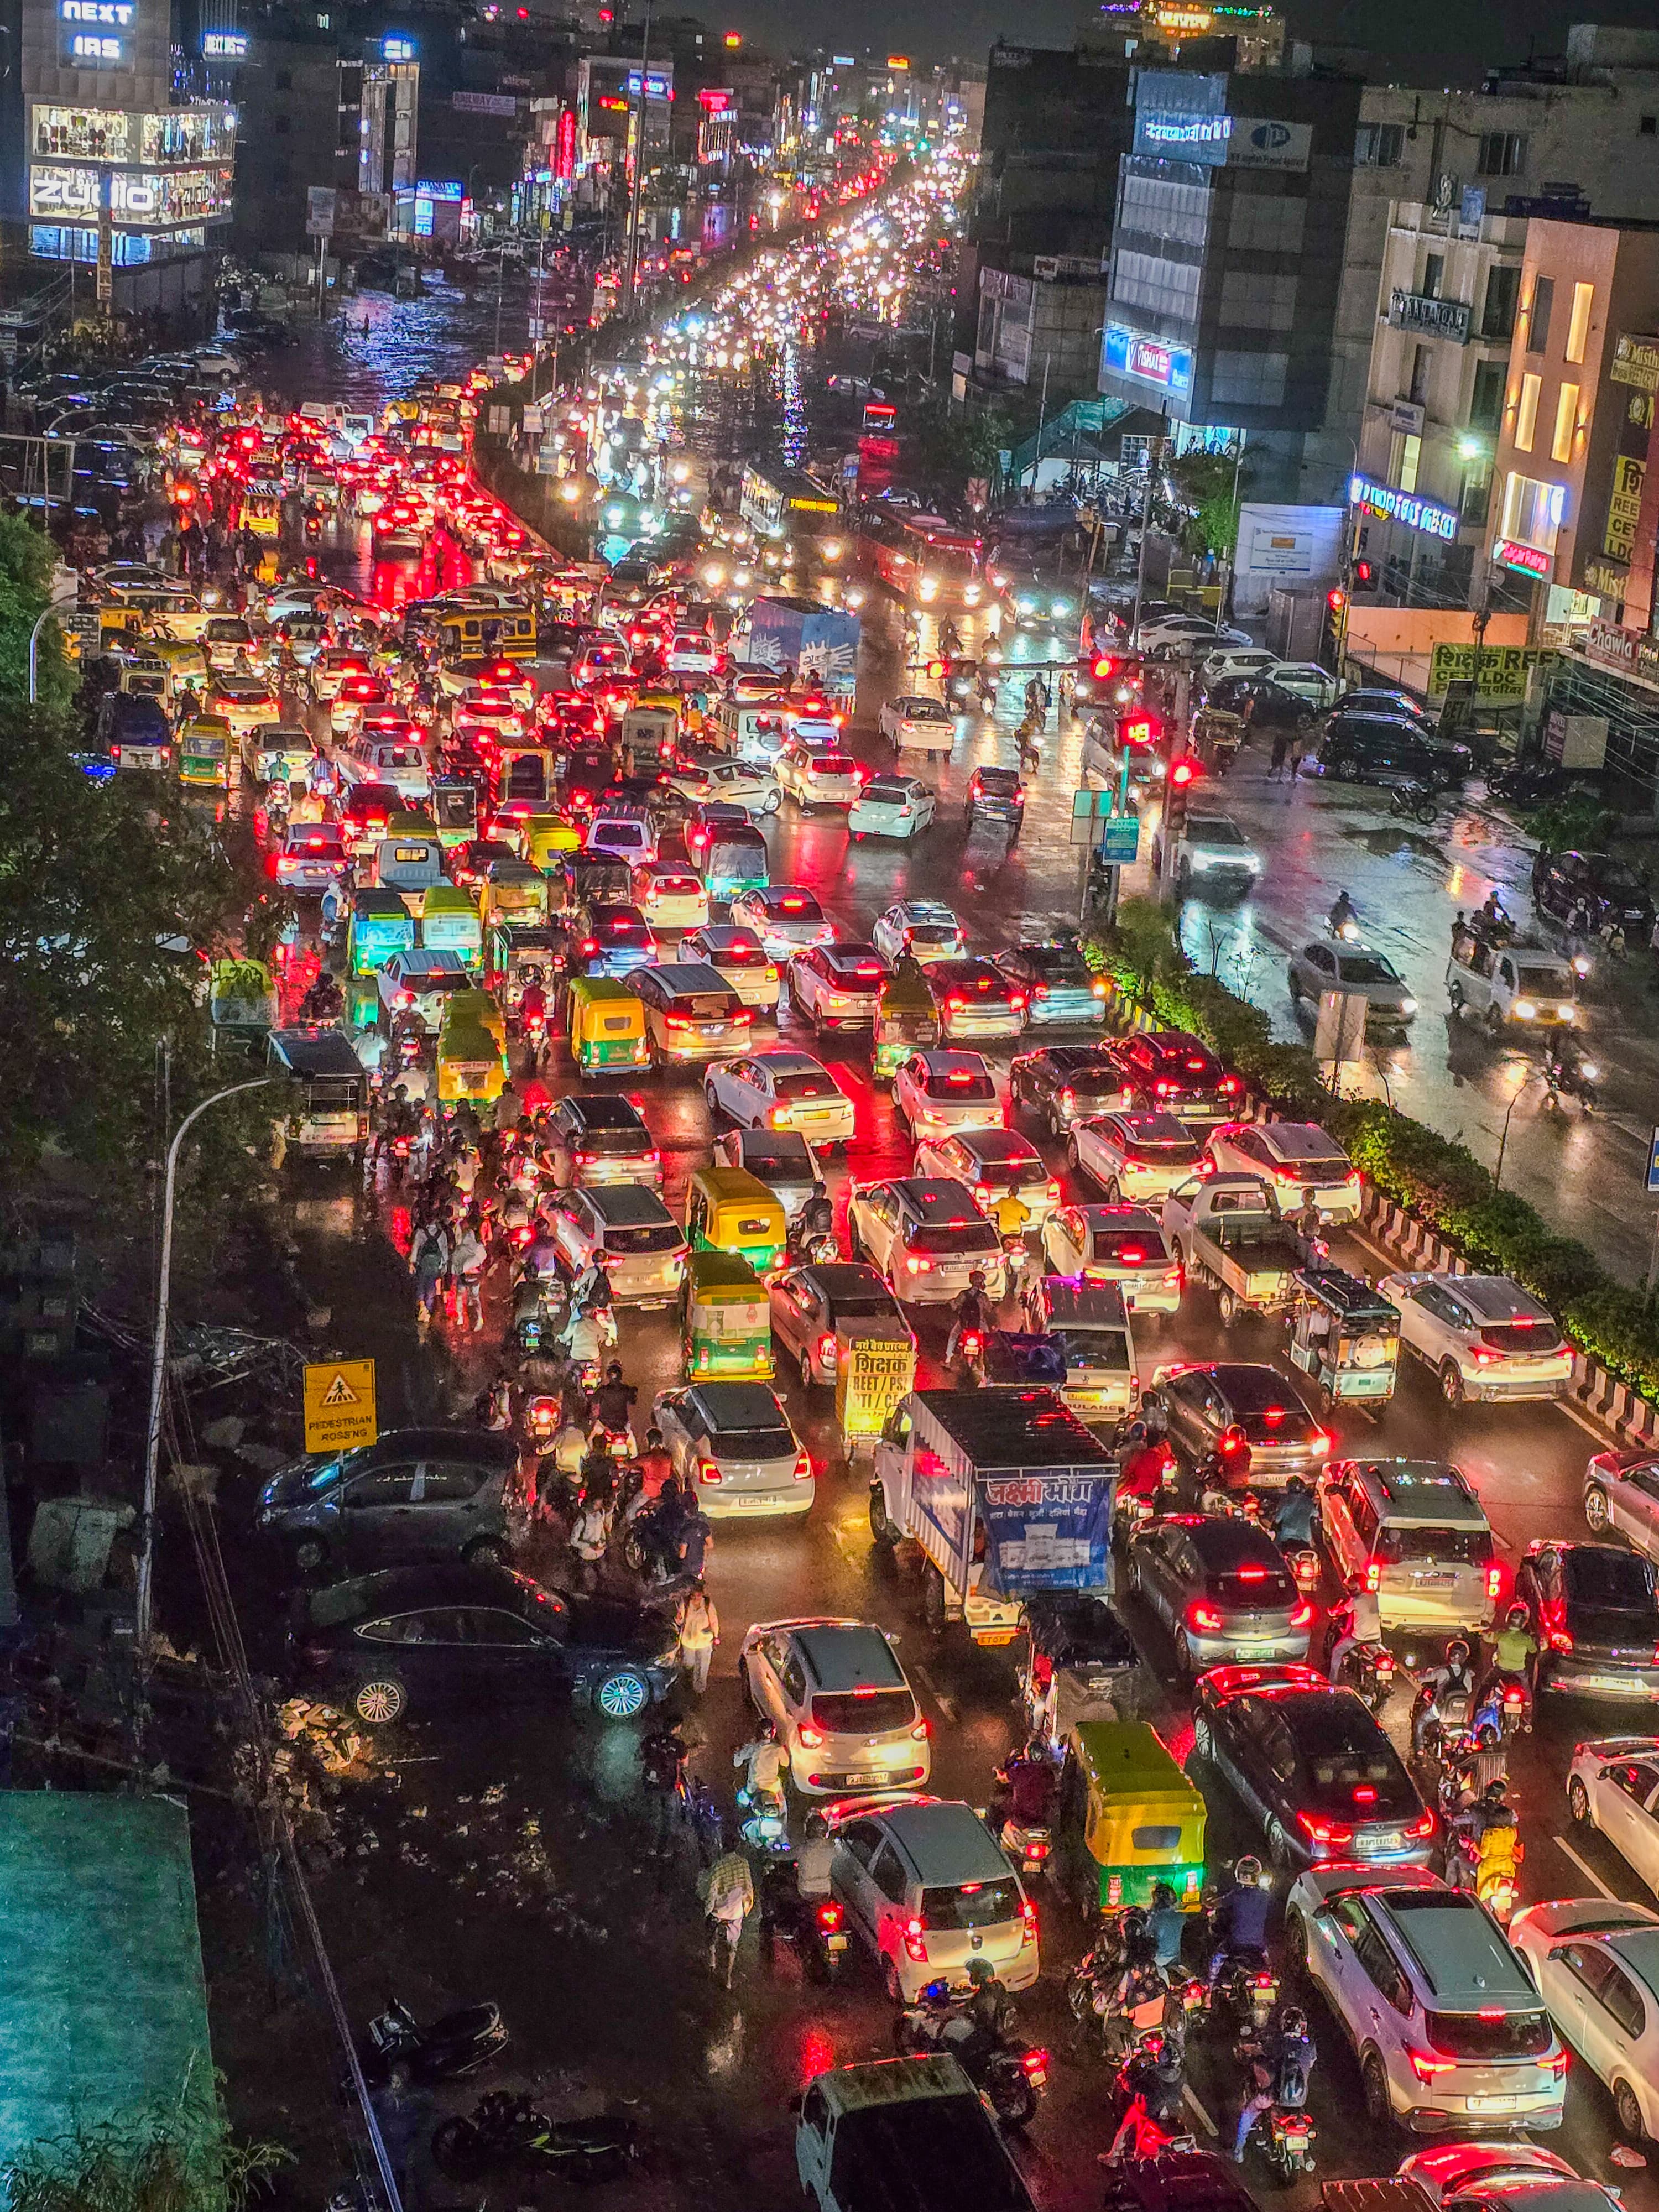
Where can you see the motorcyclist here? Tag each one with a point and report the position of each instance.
(1343, 911)
(1147, 1461)
(812, 1230)
(1279, 2071)
(1139, 1981)
(1449, 1685)
(765, 1762)
(1494, 914)
(1166, 1924)
(1484, 1762)
(970, 1310)
(1239, 1927)
(1027, 1788)
(990, 2007)
(1359, 1619)
(613, 1402)
(1513, 1649)
(1293, 1517)
(1150, 2085)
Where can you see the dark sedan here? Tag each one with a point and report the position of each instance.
(1220, 1405)
(1313, 1766)
(1272, 706)
(476, 1639)
(1596, 1619)
(1222, 1590)
(1064, 1082)
(1608, 892)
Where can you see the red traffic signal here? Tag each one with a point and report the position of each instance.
(1106, 667)
(1336, 600)
(1363, 575)
(1184, 771)
(1138, 729)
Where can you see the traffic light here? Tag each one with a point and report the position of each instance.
(1363, 575)
(1336, 599)
(1184, 772)
(1138, 729)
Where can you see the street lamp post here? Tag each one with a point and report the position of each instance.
(158, 1364)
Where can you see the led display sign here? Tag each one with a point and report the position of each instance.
(1126, 353)
(1528, 560)
(1397, 506)
(154, 196)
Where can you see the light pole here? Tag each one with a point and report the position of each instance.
(158, 1366)
(34, 649)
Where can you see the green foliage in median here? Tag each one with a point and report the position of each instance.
(1410, 1163)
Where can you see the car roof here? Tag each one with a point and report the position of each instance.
(771, 897)
(733, 1407)
(1249, 1386)
(1495, 1298)
(1457, 1949)
(687, 977)
(627, 1204)
(849, 1656)
(1143, 1126)
(942, 1061)
(947, 1843)
(453, 1581)
(994, 1144)
(1420, 1490)
(779, 1061)
(603, 1110)
(483, 1447)
(844, 1279)
(939, 1200)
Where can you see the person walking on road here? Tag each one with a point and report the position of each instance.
(429, 1258)
(1281, 749)
(699, 1625)
(726, 1890)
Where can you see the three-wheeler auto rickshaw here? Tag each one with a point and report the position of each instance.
(450, 923)
(734, 859)
(1129, 1817)
(1217, 737)
(514, 957)
(455, 810)
(378, 926)
(1077, 1662)
(907, 1021)
(204, 753)
(607, 1025)
(1344, 1335)
(725, 1320)
(471, 1058)
(729, 1210)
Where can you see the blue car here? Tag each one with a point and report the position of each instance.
(1060, 990)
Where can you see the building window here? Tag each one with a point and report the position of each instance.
(1486, 401)
(1503, 291)
(1502, 153)
(1566, 417)
(1532, 511)
(1422, 360)
(1434, 271)
(1538, 314)
(1526, 421)
(1578, 329)
(1379, 145)
(1649, 126)
(1249, 379)
(1476, 497)
(1259, 223)
(1407, 461)
(1255, 302)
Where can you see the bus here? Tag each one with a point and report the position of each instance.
(787, 508)
(925, 559)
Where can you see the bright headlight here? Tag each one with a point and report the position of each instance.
(1526, 1010)
(1408, 1006)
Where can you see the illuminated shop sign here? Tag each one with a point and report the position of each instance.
(93, 33)
(1529, 560)
(1396, 505)
(1183, 138)
(224, 45)
(396, 49)
(445, 188)
(657, 85)
(1148, 360)
(157, 196)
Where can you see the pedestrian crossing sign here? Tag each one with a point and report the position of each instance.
(340, 1404)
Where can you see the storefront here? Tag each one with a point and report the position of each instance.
(1607, 676)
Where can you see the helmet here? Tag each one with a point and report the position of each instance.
(613, 1373)
(1153, 2045)
(1134, 1921)
(1293, 2021)
(1247, 1871)
(1517, 1616)
(1457, 1652)
(1295, 1483)
(1494, 1791)
(980, 1972)
(1162, 1897)
(1135, 1433)
(976, 1280)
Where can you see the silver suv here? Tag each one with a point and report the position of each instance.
(841, 1705)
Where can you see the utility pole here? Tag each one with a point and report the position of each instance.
(1227, 558)
(636, 186)
(1154, 463)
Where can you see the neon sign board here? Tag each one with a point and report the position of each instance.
(93, 32)
(1396, 505)
(1148, 360)
(1529, 560)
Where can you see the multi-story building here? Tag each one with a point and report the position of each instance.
(1151, 30)
(111, 169)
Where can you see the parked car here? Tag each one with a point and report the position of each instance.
(1595, 1616)
(1446, 2023)
(1609, 890)
(1483, 1335)
(1386, 749)
(415, 1494)
(478, 1639)
(839, 1700)
(1319, 968)
(1307, 680)
(809, 1303)
(1596, 1960)
(1221, 1589)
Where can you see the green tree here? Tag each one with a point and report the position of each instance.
(112, 895)
(1205, 486)
(165, 2157)
(953, 443)
(27, 559)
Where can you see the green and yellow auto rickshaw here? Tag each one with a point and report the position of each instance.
(378, 925)
(455, 810)
(1346, 1335)
(607, 1025)
(241, 1006)
(725, 1320)
(1129, 1817)
(729, 1210)
(907, 1021)
(204, 753)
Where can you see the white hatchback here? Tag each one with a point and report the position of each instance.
(935, 1093)
(732, 1444)
(891, 806)
(1596, 1960)
(838, 1698)
(781, 1090)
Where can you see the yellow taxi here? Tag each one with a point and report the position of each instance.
(670, 897)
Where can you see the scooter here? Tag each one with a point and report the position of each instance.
(1029, 1848)
(1246, 1989)
(765, 1825)
(504, 2129)
(1369, 1669)
(541, 1420)
(396, 2048)
(1567, 1075)
(1306, 1573)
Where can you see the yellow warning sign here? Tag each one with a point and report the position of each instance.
(340, 1404)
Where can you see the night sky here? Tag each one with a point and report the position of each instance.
(1422, 42)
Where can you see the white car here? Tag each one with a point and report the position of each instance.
(691, 654)
(626, 1225)
(1293, 1158)
(1495, 2175)
(1236, 660)
(938, 1091)
(921, 928)
(1613, 1784)
(818, 779)
(838, 986)
(1211, 853)
(1483, 1335)
(781, 1090)
(736, 782)
(841, 1704)
(741, 959)
(1120, 1244)
(1320, 967)
(785, 917)
(1307, 680)
(418, 980)
(927, 1236)
(731, 1443)
(891, 806)
(1186, 635)
(1445, 2023)
(925, 726)
(993, 1163)
(1139, 1156)
(1595, 1961)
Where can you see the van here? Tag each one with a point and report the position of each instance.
(729, 1210)
(398, 762)
(324, 1112)
(626, 832)
(927, 1886)
(1414, 1532)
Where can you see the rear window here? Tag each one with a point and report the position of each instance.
(863, 1712)
(1127, 1247)
(1489, 2034)
(1098, 1080)
(1094, 1347)
(961, 1083)
(1259, 1587)
(953, 1237)
(930, 933)
(1168, 1151)
(709, 1005)
(649, 1236)
(1463, 1547)
(831, 765)
(1521, 1340)
(1609, 1577)
(976, 1905)
(756, 1443)
(805, 1083)
(615, 1144)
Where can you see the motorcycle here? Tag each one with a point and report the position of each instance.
(535, 1035)
(1009, 2075)
(615, 1443)
(1343, 927)
(1306, 1573)
(815, 1926)
(1369, 1669)
(1439, 1720)
(1246, 1990)
(396, 2048)
(765, 1825)
(398, 1151)
(1414, 802)
(503, 2130)
(1568, 1075)
(1028, 1848)
(541, 1420)
(1290, 2135)
(969, 1358)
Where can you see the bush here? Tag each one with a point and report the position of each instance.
(1407, 1163)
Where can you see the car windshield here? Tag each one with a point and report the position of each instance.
(1619, 1579)
(976, 1905)
(1457, 1546)
(648, 1237)
(950, 1238)
(1544, 983)
(1367, 967)
(755, 1443)
(863, 1712)
(1617, 876)
(1211, 829)
(803, 1083)
(1492, 2034)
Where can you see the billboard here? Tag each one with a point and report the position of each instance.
(1129, 353)
(1284, 545)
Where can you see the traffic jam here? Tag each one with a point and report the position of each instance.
(1077, 1613)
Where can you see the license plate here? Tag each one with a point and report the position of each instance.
(712, 1028)
(1432, 1582)
(834, 1943)
(1493, 2103)
(1609, 1682)
(1254, 1651)
(1366, 1846)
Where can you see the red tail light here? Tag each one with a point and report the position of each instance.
(1427, 2068)
(1036, 2062)
(1560, 1639)
(915, 1941)
(1203, 1617)
(1027, 1914)
(1494, 1581)
(803, 1466)
(1421, 1829)
(810, 1737)
(1324, 1833)
(830, 1918)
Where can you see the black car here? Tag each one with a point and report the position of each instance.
(996, 794)
(1272, 706)
(596, 1137)
(1610, 890)
(1371, 699)
(477, 1639)
(1388, 749)
(1064, 1082)
(1596, 1619)
(1313, 1766)
(1169, 1072)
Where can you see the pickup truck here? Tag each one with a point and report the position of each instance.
(902, 2131)
(1005, 1492)
(1231, 1235)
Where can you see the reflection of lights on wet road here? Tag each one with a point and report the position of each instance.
(816, 2055)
